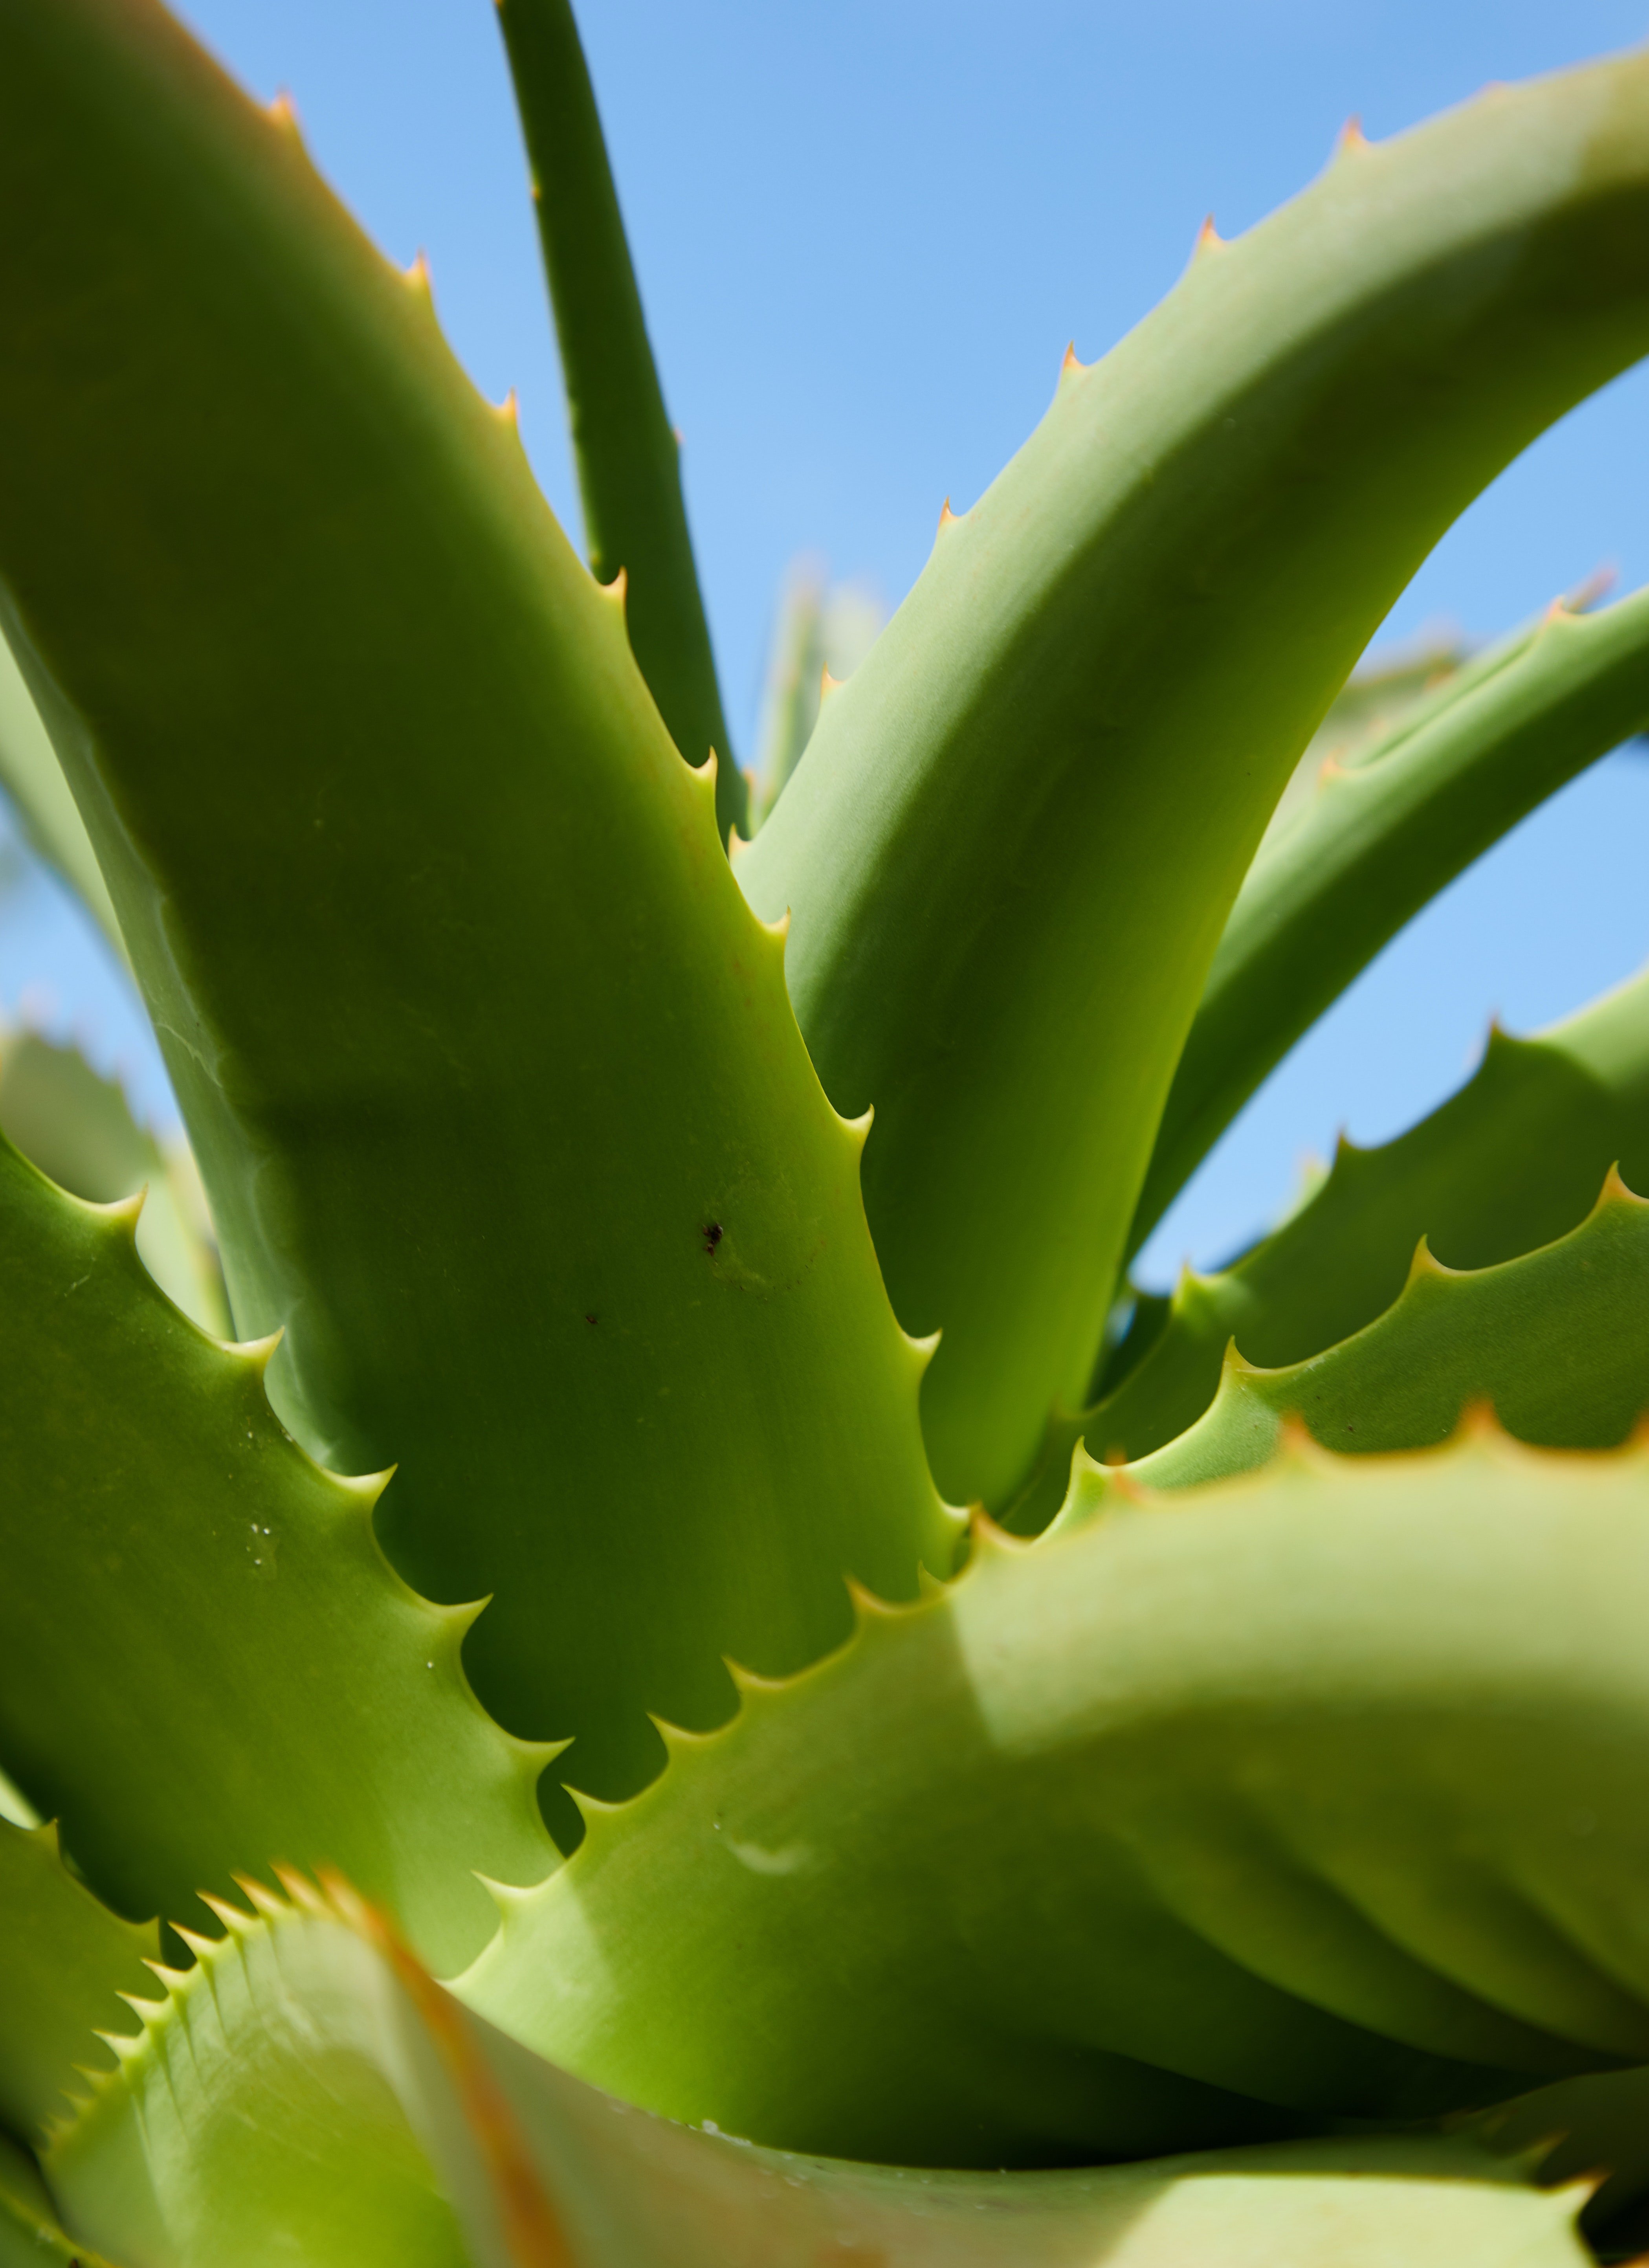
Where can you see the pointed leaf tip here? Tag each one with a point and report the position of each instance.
(261, 1899)
(1351, 137)
(1615, 1189)
(1478, 1424)
(1208, 239)
(1426, 1263)
(748, 1682)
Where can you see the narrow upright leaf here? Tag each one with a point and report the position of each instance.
(1013, 841)
(627, 453)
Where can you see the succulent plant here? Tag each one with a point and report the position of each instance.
(957, 1761)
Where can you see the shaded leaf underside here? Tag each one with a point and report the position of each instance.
(1305, 1798)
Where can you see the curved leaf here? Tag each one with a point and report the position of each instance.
(1557, 1342)
(513, 1130)
(1376, 844)
(1513, 1161)
(320, 2069)
(204, 1663)
(1016, 834)
(626, 451)
(1311, 1797)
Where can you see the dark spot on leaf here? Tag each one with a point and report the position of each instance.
(713, 1232)
(589, 1319)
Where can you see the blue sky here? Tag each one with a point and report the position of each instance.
(865, 234)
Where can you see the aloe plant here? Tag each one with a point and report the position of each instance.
(678, 1692)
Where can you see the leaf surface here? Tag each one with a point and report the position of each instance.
(1312, 1796)
(321, 2074)
(627, 453)
(1380, 838)
(1013, 841)
(498, 1098)
(204, 1663)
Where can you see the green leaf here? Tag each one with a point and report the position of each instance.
(78, 1129)
(495, 1087)
(627, 453)
(1377, 844)
(32, 777)
(31, 2235)
(1016, 834)
(1381, 692)
(1514, 1160)
(1311, 1797)
(64, 1958)
(1386, 697)
(307, 2072)
(1557, 1341)
(1601, 2122)
(795, 671)
(822, 633)
(204, 1663)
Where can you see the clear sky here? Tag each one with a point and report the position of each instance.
(865, 234)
